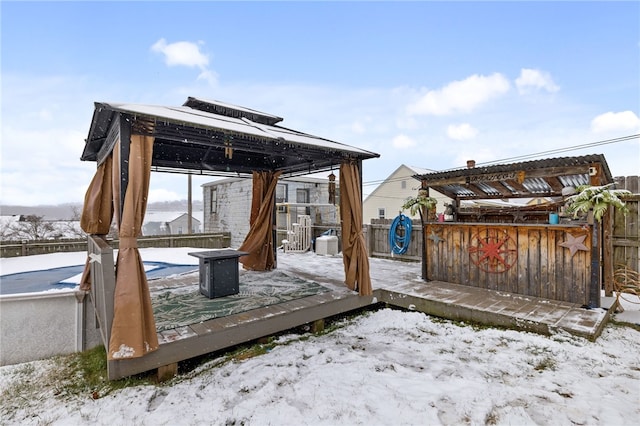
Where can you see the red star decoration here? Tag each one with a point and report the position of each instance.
(493, 251)
(489, 250)
(575, 243)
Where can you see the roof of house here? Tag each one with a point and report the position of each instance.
(166, 216)
(537, 178)
(410, 169)
(216, 138)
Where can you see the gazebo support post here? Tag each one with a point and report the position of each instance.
(595, 179)
(423, 215)
(125, 147)
(274, 234)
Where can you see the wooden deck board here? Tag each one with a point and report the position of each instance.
(496, 308)
(221, 333)
(452, 301)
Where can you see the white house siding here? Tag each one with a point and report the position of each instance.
(169, 222)
(391, 194)
(233, 206)
(180, 225)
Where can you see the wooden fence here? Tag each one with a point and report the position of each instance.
(377, 236)
(31, 247)
(626, 228)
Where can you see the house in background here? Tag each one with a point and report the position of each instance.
(227, 204)
(169, 223)
(385, 202)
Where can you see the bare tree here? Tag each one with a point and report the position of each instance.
(33, 227)
(71, 228)
(6, 230)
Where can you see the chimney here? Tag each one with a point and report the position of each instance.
(471, 164)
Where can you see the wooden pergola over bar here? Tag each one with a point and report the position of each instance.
(128, 141)
(516, 247)
(529, 179)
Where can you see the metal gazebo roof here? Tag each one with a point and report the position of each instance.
(215, 138)
(537, 178)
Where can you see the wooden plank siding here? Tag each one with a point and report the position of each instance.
(377, 235)
(626, 235)
(543, 268)
(626, 228)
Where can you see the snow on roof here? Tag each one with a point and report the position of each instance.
(184, 114)
(167, 216)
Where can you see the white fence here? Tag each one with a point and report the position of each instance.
(298, 235)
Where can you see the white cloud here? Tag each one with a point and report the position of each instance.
(403, 142)
(612, 121)
(187, 54)
(461, 96)
(209, 76)
(531, 80)
(461, 131)
(183, 53)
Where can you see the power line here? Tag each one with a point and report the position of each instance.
(528, 156)
(567, 149)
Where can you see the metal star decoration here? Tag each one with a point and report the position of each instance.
(574, 243)
(435, 238)
(494, 252)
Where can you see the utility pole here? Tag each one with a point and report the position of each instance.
(189, 207)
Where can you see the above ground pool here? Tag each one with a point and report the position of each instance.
(69, 277)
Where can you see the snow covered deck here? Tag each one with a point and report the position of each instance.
(395, 283)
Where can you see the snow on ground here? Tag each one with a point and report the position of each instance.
(382, 368)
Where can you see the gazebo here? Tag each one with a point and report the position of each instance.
(201, 137)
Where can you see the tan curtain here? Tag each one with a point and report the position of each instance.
(97, 211)
(133, 331)
(354, 250)
(259, 241)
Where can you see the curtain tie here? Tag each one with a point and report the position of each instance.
(128, 242)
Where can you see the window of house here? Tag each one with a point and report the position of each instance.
(381, 213)
(281, 193)
(403, 184)
(302, 195)
(214, 200)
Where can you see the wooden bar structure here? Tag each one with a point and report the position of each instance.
(513, 247)
(535, 265)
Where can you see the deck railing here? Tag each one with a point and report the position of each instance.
(103, 284)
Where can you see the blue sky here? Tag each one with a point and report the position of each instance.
(426, 84)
